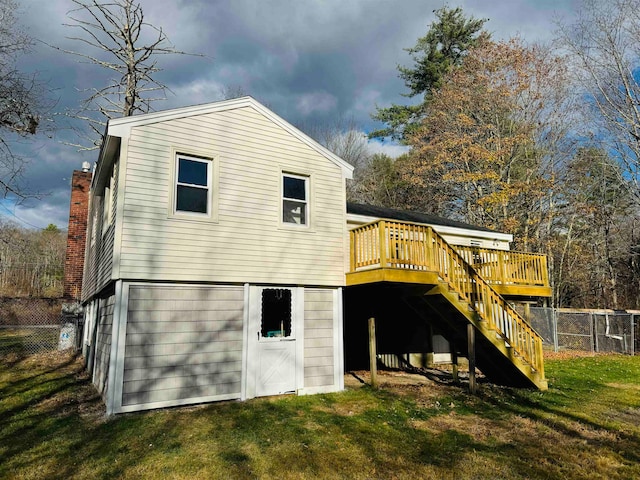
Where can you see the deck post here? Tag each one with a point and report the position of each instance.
(471, 347)
(431, 263)
(383, 243)
(373, 359)
(352, 252)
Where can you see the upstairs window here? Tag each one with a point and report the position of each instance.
(193, 185)
(295, 199)
(106, 209)
(107, 202)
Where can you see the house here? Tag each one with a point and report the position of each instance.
(221, 261)
(215, 259)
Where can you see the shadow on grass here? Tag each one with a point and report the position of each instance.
(572, 424)
(53, 421)
(59, 430)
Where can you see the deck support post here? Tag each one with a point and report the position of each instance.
(471, 344)
(373, 359)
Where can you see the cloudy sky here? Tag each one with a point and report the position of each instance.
(310, 61)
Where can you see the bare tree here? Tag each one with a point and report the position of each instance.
(124, 43)
(604, 42)
(21, 99)
(31, 261)
(343, 137)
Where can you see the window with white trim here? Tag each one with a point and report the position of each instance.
(106, 209)
(107, 202)
(295, 199)
(193, 186)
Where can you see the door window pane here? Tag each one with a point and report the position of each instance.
(276, 313)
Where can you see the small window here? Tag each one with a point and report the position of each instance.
(106, 209)
(276, 313)
(193, 185)
(94, 225)
(295, 199)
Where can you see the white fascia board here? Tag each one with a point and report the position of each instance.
(120, 127)
(441, 229)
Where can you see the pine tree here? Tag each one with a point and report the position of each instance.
(444, 46)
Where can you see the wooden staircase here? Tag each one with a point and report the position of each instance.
(508, 350)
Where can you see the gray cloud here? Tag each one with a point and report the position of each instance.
(310, 61)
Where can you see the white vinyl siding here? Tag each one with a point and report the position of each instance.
(183, 343)
(99, 250)
(318, 338)
(248, 244)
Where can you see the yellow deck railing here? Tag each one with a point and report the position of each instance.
(402, 245)
(502, 267)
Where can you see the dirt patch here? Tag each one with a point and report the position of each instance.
(568, 354)
(363, 377)
(84, 399)
(624, 386)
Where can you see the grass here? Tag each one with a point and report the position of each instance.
(52, 425)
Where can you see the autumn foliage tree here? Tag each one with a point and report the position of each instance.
(32, 261)
(592, 246)
(493, 137)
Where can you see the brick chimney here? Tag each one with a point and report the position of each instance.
(77, 233)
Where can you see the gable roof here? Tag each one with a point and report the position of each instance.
(372, 211)
(121, 127)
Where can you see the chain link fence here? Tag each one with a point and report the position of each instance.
(588, 330)
(36, 325)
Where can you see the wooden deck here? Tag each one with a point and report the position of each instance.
(467, 279)
(410, 248)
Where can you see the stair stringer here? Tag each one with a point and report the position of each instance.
(499, 343)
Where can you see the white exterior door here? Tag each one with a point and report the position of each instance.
(273, 330)
(276, 368)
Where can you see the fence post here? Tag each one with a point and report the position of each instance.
(593, 326)
(633, 337)
(554, 319)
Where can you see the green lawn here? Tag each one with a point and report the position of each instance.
(587, 425)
